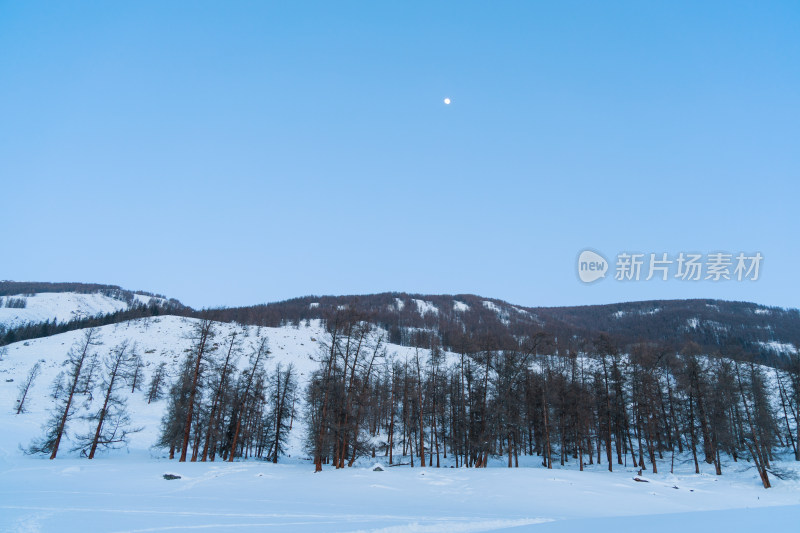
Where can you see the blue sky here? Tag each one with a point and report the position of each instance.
(230, 153)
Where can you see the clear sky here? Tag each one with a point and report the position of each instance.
(231, 153)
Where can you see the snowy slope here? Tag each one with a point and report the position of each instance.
(61, 306)
(123, 490)
(157, 339)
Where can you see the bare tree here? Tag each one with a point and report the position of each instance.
(257, 359)
(282, 388)
(223, 378)
(62, 412)
(119, 366)
(26, 385)
(136, 371)
(157, 382)
(203, 333)
(754, 444)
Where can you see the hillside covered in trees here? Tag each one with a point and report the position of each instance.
(739, 329)
(758, 333)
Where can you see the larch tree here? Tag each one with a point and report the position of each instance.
(203, 333)
(257, 359)
(112, 423)
(136, 371)
(26, 385)
(220, 385)
(282, 387)
(63, 410)
(157, 382)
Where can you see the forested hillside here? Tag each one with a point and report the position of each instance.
(742, 330)
(419, 380)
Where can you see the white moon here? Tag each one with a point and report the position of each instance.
(447, 101)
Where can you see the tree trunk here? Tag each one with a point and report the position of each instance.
(88, 338)
(421, 426)
(109, 391)
(212, 425)
(324, 408)
(279, 418)
(755, 448)
(205, 329)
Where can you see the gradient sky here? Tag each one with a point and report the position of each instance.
(231, 153)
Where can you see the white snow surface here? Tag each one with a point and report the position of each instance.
(779, 347)
(128, 494)
(491, 305)
(425, 307)
(63, 306)
(460, 307)
(621, 313)
(502, 315)
(124, 490)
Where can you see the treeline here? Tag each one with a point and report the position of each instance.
(10, 288)
(591, 404)
(715, 326)
(29, 288)
(215, 410)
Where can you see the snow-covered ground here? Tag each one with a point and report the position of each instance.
(124, 490)
(425, 307)
(61, 306)
(129, 493)
(460, 307)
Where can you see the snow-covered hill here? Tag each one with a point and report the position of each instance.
(157, 339)
(62, 307)
(124, 490)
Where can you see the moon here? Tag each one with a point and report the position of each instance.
(447, 101)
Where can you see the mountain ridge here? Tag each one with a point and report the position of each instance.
(765, 334)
